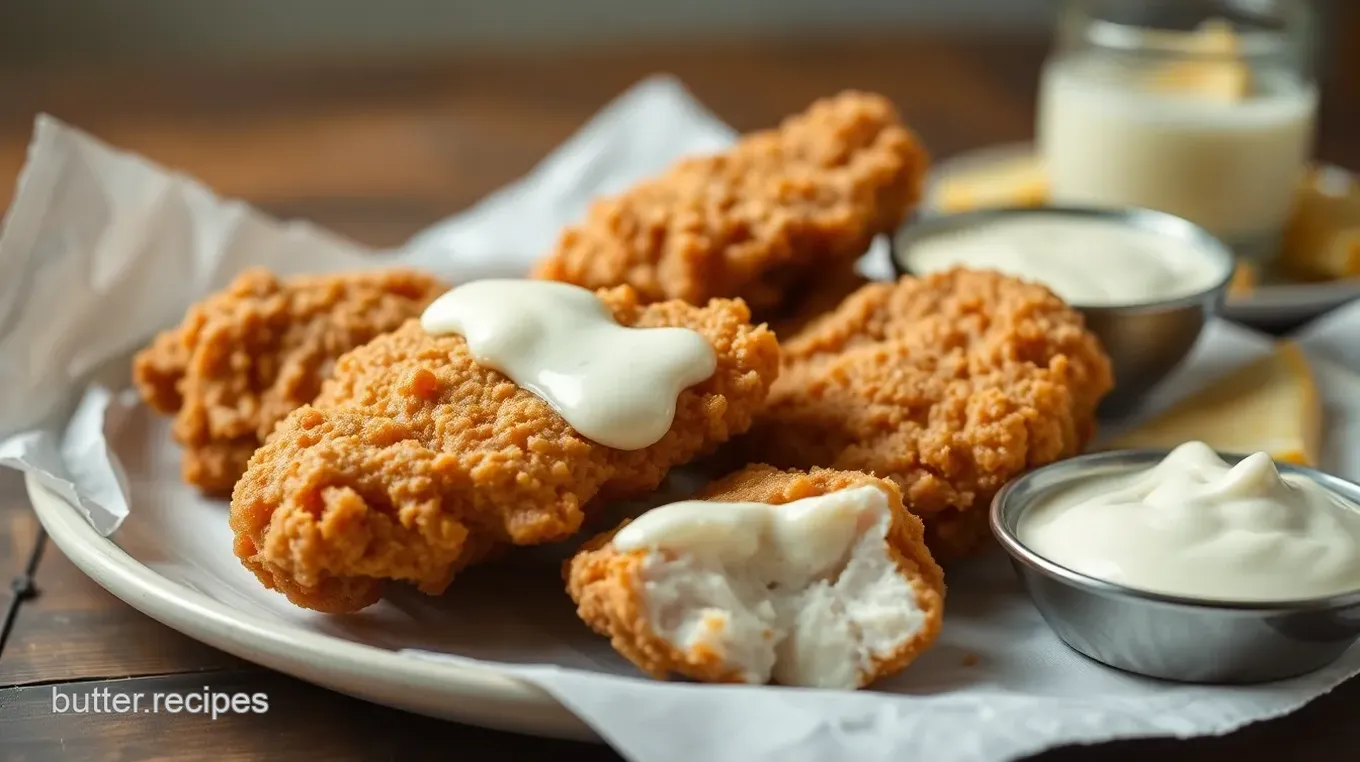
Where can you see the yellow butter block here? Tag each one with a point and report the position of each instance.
(1226, 81)
(1225, 78)
(1015, 182)
(1271, 405)
(1322, 239)
(1244, 281)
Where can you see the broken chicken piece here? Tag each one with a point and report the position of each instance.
(817, 579)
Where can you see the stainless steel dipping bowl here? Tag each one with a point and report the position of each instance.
(1163, 636)
(1145, 341)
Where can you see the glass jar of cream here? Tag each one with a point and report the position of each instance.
(1201, 108)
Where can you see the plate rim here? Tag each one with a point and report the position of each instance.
(290, 648)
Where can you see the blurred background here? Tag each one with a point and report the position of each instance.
(377, 118)
(66, 30)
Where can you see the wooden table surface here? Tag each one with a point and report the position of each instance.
(377, 152)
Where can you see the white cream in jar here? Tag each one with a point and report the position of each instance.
(1087, 261)
(1193, 526)
(1229, 165)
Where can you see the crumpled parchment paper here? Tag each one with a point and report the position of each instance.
(101, 249)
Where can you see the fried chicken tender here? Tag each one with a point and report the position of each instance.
(672, 609)
(248, 355)
(778, 210)
(414, 461)
(950, 385)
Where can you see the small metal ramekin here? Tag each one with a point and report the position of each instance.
(1145, 340)
(1165, 636)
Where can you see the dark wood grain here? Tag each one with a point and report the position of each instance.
(302, 722)
(435, 137)
(380, 149)
(76, 630)
(18, 526)
(376, 151)
(306, 722)
(18, 542)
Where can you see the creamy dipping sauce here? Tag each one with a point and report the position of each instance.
(1195, 527)
(805, 593)
(1087, 262)
(615, 385)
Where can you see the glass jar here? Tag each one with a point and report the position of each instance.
(1201, 108)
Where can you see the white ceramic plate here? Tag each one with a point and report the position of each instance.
(172, 560)
(1269, 306)
(449, 691)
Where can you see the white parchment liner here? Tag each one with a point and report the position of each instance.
(101, 249)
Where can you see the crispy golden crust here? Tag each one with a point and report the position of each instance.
(950, 385)
(606, 584)
(245, 357)
(415, 461)
(759, 220)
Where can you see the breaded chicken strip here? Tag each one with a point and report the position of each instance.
(829, 584)
(248, 355)
(415, 461)
(950, 385)
(778, 210)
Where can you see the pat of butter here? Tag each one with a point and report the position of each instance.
(1015, 182)
(1322, 239)
(1244, 281)
(1227, 79)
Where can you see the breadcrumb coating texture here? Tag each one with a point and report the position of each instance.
(248, 355)
(760, 221)
(415, 461)
(950, 385)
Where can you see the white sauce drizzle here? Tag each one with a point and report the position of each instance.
(807, 536)
(615, 385)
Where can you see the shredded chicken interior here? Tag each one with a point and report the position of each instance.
(805, 593)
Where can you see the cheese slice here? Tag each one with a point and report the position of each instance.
(1271, 405)
(1223, 76)
(1322, 239)
(1014, 182)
